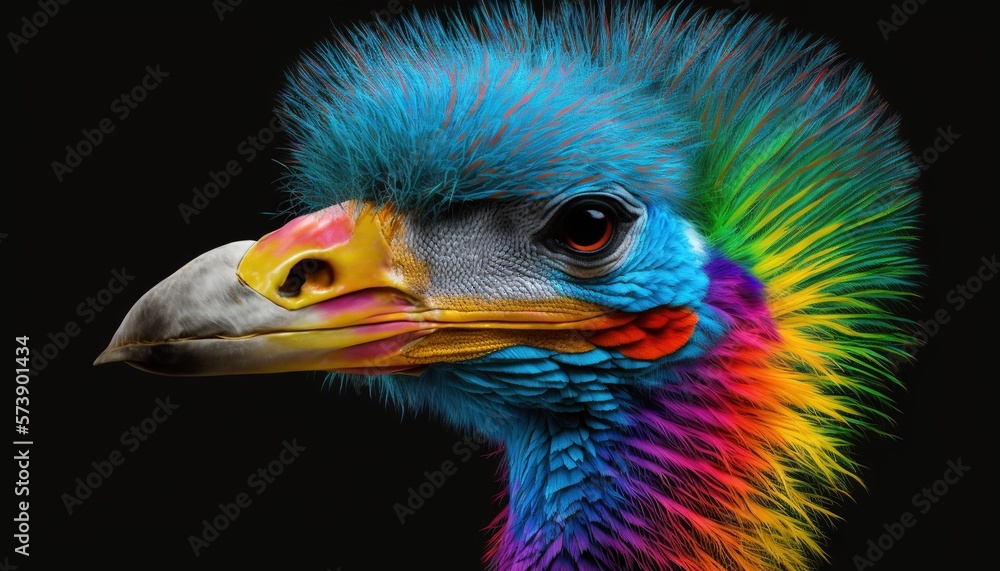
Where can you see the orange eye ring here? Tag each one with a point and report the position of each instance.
(588, 228)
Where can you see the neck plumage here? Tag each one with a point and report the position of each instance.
(714, 469)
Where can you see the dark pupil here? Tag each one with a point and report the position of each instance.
(586, 226)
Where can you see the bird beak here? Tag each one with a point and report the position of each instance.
(317, 294)
(329, 291)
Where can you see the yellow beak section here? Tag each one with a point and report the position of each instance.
(336, 290)
(320, 256)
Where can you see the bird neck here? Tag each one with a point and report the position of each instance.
(563, 476)
(675, 474)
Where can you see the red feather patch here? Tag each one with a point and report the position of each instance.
(648, 335)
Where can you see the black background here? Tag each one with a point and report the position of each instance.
(332, 508)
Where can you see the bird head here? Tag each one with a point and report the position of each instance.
(651, 254)
(472, 214)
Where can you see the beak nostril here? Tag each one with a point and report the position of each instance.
(311, 273)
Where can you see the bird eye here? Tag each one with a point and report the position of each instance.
(588, 234)
(588, 227)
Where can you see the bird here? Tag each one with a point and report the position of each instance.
(660, 257)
